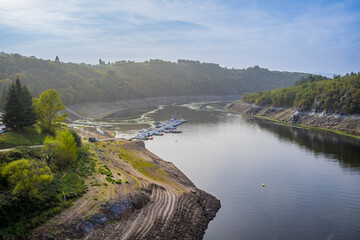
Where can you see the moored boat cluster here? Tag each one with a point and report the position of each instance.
(160, 129)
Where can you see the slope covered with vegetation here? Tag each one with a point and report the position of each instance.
(338, 95)
(34, 187)
(78, 83)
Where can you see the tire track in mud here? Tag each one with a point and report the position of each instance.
(142, 217)
(170, 209)
(124, 230)
(161, 206)
(164, 202)
(152, 216)
(162, 213)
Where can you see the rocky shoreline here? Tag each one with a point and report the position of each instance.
(337, 122)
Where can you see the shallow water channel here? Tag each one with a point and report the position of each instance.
(311, 177)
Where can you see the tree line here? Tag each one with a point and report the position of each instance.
(314, 93)
(78, 83)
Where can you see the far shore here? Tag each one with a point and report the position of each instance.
(103, 109)
(346, 125)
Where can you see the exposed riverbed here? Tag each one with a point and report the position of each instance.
(311, 177)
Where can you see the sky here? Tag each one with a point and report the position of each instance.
(304, 36)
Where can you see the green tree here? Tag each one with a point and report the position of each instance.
(10, 108)
(47, 108)
(101, 62)
(28, 177)
(18, 108)
(3, 97)
(28, 113)
(61, 151)
(315, 93)
(77, 138)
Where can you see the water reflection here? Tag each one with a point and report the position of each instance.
(333, 146)
(230, 155)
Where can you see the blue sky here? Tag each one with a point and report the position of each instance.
(307, 36)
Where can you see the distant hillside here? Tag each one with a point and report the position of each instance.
(78, 83)
(314, 93)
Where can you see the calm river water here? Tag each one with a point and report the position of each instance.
(311, 177)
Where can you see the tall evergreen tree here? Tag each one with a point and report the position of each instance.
(3, 97)
(11, 109)
(18, 110)
(28, 113)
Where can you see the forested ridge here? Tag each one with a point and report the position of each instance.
(314, 93)
(78, 83)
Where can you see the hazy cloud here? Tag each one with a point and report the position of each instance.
(306, 36)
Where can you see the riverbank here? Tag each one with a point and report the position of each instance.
(344, 124)
(122, 107)
(154, 201)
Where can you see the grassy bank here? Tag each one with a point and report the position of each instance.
(28, 136)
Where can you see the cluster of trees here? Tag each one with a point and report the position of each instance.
(339, 95)
(22, 110)
(32, 181)
(78, 83)
(310, 79)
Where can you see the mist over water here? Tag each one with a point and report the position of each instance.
(311, 177)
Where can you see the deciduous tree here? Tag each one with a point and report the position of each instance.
(61, 151)
(47, 108)
(28, 177)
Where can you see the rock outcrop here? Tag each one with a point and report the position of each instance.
(323, 119)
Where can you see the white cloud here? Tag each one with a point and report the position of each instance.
(174, 29)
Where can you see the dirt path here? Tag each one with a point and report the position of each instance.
(9, 149)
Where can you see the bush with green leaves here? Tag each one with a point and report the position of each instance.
(28, 177)
(60, 151)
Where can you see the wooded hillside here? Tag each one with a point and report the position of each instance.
(78, 83)
(338, 95)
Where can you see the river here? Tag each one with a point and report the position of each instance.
(311, 177)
